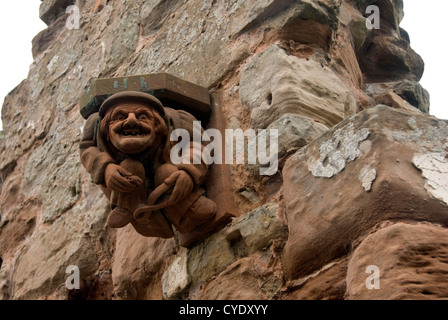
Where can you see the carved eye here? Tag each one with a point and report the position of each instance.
(143, 117)
(120, 117)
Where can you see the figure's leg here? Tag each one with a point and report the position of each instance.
(124, 204)
(150, 223)
(189, 213)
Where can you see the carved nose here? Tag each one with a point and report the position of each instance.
(131, 121)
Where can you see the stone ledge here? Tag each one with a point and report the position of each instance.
(49, 10)
(173, 92)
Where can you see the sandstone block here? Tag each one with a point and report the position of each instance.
(410, 91)
(385, 58)
(49, 10)
(414, 93)
(138, 265)
(176, 278)
(296, 132)
(154, 14)
(244, 236)
(393, 100)
(355, 21)
(293, 86)
(41, 265)
(411, 266)
(57, 180)
(206, 30)
(360, 173)
(257, 277)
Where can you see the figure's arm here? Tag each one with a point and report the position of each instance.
(197, 171)
(93, 159)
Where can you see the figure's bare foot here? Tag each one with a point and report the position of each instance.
(119, 218)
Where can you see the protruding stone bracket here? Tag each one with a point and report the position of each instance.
(173, 92)
(50, 10)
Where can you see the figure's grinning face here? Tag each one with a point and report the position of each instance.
(132, 128)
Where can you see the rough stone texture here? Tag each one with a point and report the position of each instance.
(413, 265)
(414, 93)
(306, 68)
(176, 279)
(434, 168)
(257, 277)
(42, 263)
(244, 236)
(293, 85)
(387, 55)
(295, 132)
(324, 224)
(410, 91)
(50, 9)
(138, 265)
(329, 283)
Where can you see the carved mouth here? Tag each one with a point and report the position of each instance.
(133, 133)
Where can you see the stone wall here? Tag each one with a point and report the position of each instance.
(358, 184)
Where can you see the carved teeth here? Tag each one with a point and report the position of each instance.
(132, 133)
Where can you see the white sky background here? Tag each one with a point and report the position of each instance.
(19, 23)
(425, 22)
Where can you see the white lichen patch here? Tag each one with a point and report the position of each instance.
(337, 152)
(176, 278)
(434, 167)
(367, 176)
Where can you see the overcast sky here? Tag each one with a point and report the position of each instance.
(424, 20)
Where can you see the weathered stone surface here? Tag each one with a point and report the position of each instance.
(322, 223)
(393, 100)
(57, 180)
(392, 10)
(4, 284)
(176, 279)
(50, 9)
(323, 11)
(410, 91)
(318, 64)
(41, 266)
(335, 154)
(295, 132)
(244, 236)
(204, 30)
(293, 86)
(386, 56)
(21, 128)
(356, 23)
(139, 264)
(413, 264)
(257, 277)
(329, 283)
(44, 39)
(434, 167)
(18, 226)
(154, 14)
(414, 93)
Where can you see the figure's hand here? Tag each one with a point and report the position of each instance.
(183, 185)
(119, 179)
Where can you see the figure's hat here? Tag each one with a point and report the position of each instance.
(131, 96)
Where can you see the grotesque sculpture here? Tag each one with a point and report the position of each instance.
(126, 149)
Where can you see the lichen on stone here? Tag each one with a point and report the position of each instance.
(338, 151)
(434, 167)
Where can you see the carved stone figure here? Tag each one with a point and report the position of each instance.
(126, 149)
